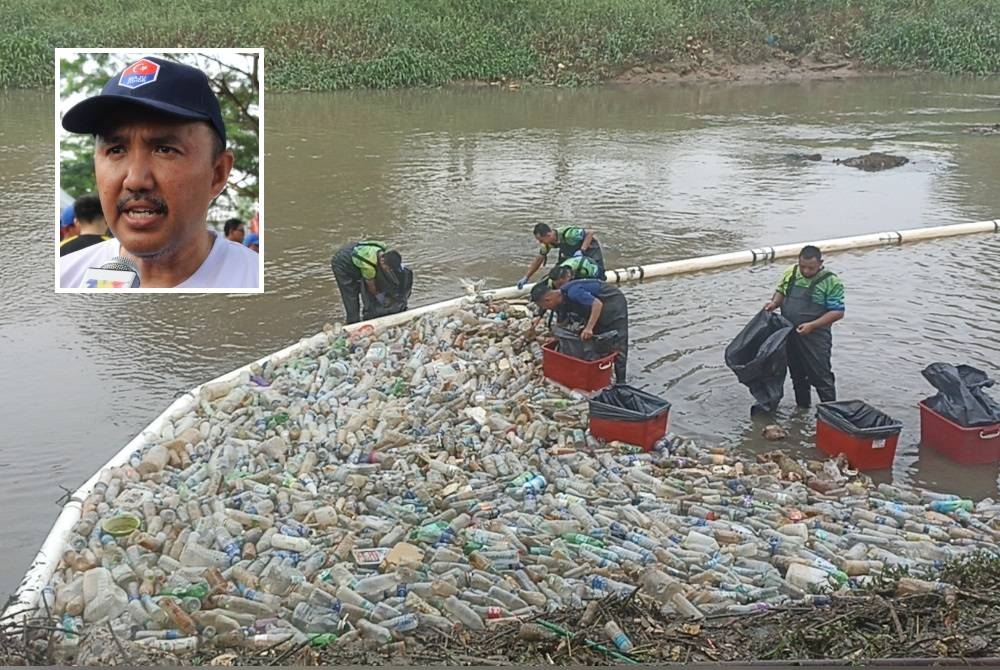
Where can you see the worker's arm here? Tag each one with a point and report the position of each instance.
(371, 287)
(587, 238)
(535, 264)
(595, 314)
(827, 319)
(532, 269)
(776, 301)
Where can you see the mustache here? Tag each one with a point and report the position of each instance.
(158, 205)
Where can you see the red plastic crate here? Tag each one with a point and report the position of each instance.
(641, 432)
(862, 453)
(973, 445)
(576, 373)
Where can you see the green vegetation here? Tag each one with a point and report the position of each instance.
(337, 44)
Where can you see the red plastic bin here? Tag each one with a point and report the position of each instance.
(968, 445)
(576, 373)
(864, 452)
(644, 418)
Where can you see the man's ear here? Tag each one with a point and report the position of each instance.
(220, 171)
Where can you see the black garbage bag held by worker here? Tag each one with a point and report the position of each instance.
(758, 357)
(357, 267)
(571, 241)
(812, 298)
(602, 307)
(396, 289)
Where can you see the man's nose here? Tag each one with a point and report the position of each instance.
(139, 173)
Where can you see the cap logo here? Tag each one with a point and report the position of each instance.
(139, 73)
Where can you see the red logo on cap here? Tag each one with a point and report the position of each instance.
(139, 73)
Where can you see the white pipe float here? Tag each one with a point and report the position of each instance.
(43, 566)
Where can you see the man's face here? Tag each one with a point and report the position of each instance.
(809, 266)
(547, 238)
(156, 177)
(550, 300)
(236, 235)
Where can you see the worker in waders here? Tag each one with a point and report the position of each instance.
(570, 242)
(575, 267)
(812, 299)
(600, 305)
(365, 266)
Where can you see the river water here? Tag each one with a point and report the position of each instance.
(457, 178)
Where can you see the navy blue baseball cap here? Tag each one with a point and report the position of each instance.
(172, 88)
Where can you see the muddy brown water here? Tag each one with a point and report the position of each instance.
(457, 178)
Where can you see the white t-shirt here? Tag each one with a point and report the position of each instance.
(228, 265)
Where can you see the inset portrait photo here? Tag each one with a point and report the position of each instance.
(159, 170)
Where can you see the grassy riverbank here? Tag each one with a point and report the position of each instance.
(337, 44)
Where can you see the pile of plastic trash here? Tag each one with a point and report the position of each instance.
(428, 478)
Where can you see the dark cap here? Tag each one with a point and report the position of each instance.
(169, 87)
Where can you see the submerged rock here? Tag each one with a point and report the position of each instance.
(873, 162)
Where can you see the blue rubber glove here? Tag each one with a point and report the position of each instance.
(579, 252)
(521, 282)
(380, 298)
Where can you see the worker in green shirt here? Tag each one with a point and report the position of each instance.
(812, 299)
(571, 242)
(372, 264)
(574, 267)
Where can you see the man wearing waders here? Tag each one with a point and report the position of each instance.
(365, 262)
(812, 299)
(571, 242)
(602, 308)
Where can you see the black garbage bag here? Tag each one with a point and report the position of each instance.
(757, 356)
(397, 291)
(626, 403)
(858, 419)
(961, 396)
(570, 344)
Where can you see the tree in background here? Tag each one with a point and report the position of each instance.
(235, 78)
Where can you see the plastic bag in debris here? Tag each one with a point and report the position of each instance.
(570, 344)
(858, 419)
(625, 403)
(757, 356)
(961, 396)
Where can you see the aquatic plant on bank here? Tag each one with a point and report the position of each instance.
(331, 45)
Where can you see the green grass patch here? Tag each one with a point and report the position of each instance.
(337, 44)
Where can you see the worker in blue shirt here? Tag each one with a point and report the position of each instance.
(600, 305)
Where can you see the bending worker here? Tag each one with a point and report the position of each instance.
(575, 267)
(600, 305)
(366, 262)
(571, 242)
(812, 299)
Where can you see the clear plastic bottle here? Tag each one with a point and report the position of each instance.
(463, 613)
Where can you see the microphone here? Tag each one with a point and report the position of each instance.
(119, 272)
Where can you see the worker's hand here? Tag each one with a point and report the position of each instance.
(805, 328)
(534, 322)
(769, 306)
(586, 334)
(380, 298)
(578, 253)
(521, 282)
